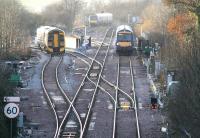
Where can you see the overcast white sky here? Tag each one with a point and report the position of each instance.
(38, 5)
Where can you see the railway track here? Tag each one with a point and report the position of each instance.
(134, 97)
(126, 116)
(118, 94)
(84, 98)
(56, 97)
(73, 116)
(72, 71)
(113, 90)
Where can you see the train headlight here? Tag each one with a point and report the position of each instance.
(117, 44)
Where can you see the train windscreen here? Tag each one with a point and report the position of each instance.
(61, 39)
(93, 17)
(50, 40)
(124, 37)
(55, 39)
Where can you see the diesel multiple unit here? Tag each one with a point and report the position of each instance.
(51, 39)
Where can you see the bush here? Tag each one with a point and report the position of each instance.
(5, 90)
(184, 104)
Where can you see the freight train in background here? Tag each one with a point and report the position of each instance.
(125, 39)
(51, 39)
(100, 19)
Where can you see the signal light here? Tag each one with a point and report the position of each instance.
(154, 104)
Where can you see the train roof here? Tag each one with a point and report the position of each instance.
(47, 29)
(124, 28)
(104, 14)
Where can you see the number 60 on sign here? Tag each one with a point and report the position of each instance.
(11, 110)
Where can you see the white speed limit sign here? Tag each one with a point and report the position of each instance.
(11, 110)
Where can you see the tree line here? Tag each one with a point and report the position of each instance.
(5, 90)
(174, 24)
(62, 14)
(182, 53)
(17, 29)
(18, 25)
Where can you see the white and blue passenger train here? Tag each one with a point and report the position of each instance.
(125, 38)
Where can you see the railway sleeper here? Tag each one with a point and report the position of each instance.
(93, 75)
(96, 67)
(69, 134)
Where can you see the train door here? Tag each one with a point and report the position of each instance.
(56, 39)
(56, 46)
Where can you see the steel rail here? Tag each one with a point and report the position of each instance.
(48, 97)
(86, 62)
(81, 85)
(68, 100)
(88, 57)
(58, 126)
(102, 89)
(111, 84)
(96, 87)
(134, 96)
(116, 102)
(93, 81)
(119, 90)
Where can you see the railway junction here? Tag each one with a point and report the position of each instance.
(99, 69)
(92, 94)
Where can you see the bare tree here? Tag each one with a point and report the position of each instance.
(155, 17)
(62, 14)
(184, 104)
(72, 8)
(12, 31)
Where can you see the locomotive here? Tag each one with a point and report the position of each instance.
(125, 39)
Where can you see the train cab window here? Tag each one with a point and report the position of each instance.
(50, 37)
(93, 17)
(124, 37)
(61, 38)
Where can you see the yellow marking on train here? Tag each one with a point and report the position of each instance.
(55, 40)
(93, 21)
(62, 49)
(124, 44)
(49, 49)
